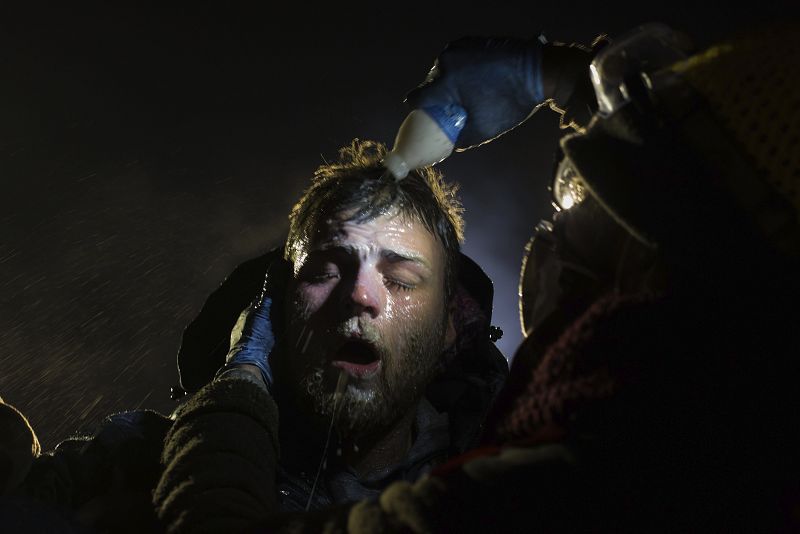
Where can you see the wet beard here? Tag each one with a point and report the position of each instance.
(400, 385)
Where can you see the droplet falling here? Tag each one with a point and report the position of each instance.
(341, 384)
(305, 345)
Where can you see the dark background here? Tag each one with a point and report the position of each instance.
(145, 153)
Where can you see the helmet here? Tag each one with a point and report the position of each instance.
(693, 154)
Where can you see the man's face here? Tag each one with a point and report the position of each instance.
(368, 300)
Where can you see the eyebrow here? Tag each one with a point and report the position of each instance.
(395, 257)
(391, 256)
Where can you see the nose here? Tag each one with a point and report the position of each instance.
(368, 294)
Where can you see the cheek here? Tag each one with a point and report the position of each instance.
(309, 298)
(406, 313)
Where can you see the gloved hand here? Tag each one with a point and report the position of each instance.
(500, 82)
(256, 340)
(497, 81)
(567, 83)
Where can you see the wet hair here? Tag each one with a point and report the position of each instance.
(359, 186)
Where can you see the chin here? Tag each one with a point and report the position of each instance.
(317, 393)
(357, 394)
(363, 412)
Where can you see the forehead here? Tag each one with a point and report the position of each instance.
(394, 232)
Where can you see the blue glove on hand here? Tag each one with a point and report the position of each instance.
(256, 341)
(498, 82)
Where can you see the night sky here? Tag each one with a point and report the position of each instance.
(144, 154)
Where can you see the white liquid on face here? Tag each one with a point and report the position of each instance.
(420, 142)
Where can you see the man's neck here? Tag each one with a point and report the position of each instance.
(363, 454)
(367, 455)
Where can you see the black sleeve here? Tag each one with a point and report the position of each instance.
(122, 452)
(103, 480)
(220, 459)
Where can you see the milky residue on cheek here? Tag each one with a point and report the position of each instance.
(406, 309)
(305, 298)
(308, 298)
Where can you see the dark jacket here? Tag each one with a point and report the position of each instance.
(103, 479)
(448, 420)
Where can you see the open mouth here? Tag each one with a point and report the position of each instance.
(358, 358)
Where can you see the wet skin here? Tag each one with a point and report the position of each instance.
(367, 299)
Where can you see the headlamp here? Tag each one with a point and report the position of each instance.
(568, 186)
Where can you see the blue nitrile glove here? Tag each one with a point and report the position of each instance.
(497, 81)
(256, 341)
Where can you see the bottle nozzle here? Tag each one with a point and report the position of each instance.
(427, 136)
(396, 165)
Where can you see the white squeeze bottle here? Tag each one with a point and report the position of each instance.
(427, 136)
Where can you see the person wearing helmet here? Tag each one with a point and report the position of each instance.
(656, 388)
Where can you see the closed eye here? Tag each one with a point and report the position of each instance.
(395, 284)
(319, 272)
(322, 277)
